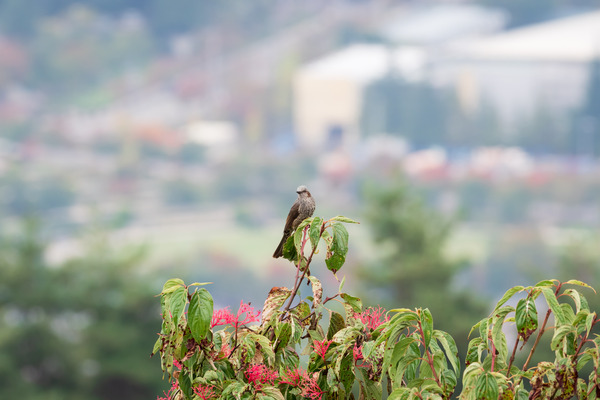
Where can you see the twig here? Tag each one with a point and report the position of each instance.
(541, 332)
(512, 356)
(429, 358)
(298, 282)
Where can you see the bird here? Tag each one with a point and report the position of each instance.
(303, 208)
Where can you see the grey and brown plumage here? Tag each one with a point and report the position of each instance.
(303, 208)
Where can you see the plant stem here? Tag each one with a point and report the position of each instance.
(298, 282)
(541, 332)
(512, 356)
(493, 351)
(429, 358)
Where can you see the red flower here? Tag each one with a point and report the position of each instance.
(311, 389)
(357, 353)
(222, 317)
(321, 347)
(168, 395)
(293, 377)
(372, 317)
(300, 379)
(259, 374)
(205, 392)
(226, 317)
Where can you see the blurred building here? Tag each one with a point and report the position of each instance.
(328, 93)
(518, 73)
(426, 25)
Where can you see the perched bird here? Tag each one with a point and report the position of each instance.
(303, 208)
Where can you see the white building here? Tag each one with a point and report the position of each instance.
(518, 72)
(328, 93)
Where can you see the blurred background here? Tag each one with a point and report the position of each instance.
(143, 140)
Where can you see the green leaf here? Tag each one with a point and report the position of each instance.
(289, 250)
(185, 384)
(342, 284)
(426, 320)
(486, 387)
(354, 302)
(401, 393)
(171, 285)
(578, 298)
(315, 231)
(157, 346)
(554, 305)
(283, 333)
(271, 392)
(301, 311)
(336, 322)
(547, 283)
(344, 219)
(265, 346)
(449, 346)
(526, 317)
(338, 248)
(559, 334)
(298, 235)
(200, 284)
(200, 314)
(176, 301)
(579, 283)
(509, 293)
(589, 322)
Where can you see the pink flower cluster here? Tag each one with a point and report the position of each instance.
(172, 390)
(299, 378)
(321, 347)
(259, 374)
(205, 392)
(372, 317)
(226, 317)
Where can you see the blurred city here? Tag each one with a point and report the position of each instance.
(144, 140)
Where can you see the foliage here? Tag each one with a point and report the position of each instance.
(74, 330)
(411, 267)
(210, 354)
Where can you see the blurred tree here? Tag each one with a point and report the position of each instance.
(580, 259)
(78, 330)
(411, 268)
(79, 48)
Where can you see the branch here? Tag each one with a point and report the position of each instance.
(540, 332)
(512, 356)
(298, 282)
(429, 358)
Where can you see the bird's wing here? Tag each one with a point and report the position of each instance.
(294, 212)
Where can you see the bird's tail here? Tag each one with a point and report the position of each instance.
(279, 250)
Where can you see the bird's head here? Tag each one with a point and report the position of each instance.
(301, 189)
